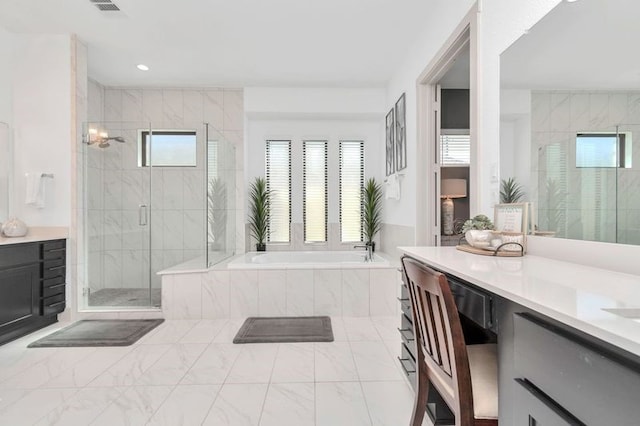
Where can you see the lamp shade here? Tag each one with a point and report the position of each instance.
(453, 188)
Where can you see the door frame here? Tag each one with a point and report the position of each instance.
(428, 168)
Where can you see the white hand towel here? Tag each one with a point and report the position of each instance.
(35, 190)
(393, 187)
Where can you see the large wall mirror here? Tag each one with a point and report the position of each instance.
(570, 120)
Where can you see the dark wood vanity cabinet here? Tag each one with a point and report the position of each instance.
(32, 286)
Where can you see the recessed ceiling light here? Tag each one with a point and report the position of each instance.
(143, 67)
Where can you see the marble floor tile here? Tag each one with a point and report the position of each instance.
(173, 365)
(82, 408)
(389, 403)
(360, 330)
(374, 362)
(131, 367)
(387, 327)
(294, 363)
(229, 331)
(341, 404)
(35, 405)
(135, 406)
(186, 405)
(213, 366)
(254, 364)
(237, 405)
(204, 331)
(289, 404)
(334, 362)
(168, 332)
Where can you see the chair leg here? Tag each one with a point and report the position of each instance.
(420, 401)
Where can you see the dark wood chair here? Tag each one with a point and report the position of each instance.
(466, 377)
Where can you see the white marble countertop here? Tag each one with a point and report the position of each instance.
(567, 292)
(38, 233)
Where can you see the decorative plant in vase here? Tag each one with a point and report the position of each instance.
(478, 231)
(259, 208)
(372, 210)
(510, 191)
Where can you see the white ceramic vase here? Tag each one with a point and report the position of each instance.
(479, 238)
(14, 227)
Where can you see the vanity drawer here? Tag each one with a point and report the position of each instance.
(580, 373)
(55, 249)
(53, 268)
(53, 304)
(473, 304)
(53, 286)
(14, 255)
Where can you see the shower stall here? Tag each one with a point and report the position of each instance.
(154, 198)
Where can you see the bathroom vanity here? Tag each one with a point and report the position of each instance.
(568, 335)
(32, 282)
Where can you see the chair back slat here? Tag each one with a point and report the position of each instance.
(439, 337)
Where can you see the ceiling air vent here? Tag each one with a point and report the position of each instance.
(105, 5)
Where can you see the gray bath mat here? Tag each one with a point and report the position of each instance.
(285, 329)
(98, 333)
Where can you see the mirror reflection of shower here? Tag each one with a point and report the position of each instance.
(101, 138)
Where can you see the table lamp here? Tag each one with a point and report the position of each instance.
(449, 189)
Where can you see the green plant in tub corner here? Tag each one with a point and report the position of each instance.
(510, 191)
(372, 210)
(259, 209)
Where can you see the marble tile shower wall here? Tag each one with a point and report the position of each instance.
(120, 253)
(556, 118)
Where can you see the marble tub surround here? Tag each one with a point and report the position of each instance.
(569, 293)
(189, 372)
(238, 293)
(38, 233)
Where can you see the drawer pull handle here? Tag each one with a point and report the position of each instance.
(404, 332)
(400, 299)
(550, 403)
(53, 305)
(402, 363)
(55, 268)
(57, 285)
(55, 250)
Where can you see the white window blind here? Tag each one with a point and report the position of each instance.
(315, 191)
(212, 159)
(455, 149)
(278, 171)
(351, 185)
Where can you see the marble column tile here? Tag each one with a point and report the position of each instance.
(327, 291)
(193, 191)
(333, 362)
(173, 365)
(289, 404)
(186, 405)
(243, 286)
(618, 103)
(172, 109)
(560, 113)
(237, 404)
(110, 189)
(213, 108)
(133, 264)
(598, 110)
(132, 105)
(113, 105)
(633, 107)
(254, 364)
(173, 230)
(233, 118)
(152, 110)
(112, 264)
(272, 292)
(540, 111)
(173, 185)
(213, 366)
(136, 405)
(293, 363)
(132, 231)
(194, 229)
(193, 110)
(355, 292)
(383, 287)
(215, 294)
(187, 297)
(341, 404)
(299, 292)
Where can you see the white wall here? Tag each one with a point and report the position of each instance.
(6, 119)
(515, 139)
(42, 125)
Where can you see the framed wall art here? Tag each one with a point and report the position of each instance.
(400, 134)
(390, 146)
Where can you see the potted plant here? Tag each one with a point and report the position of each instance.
(510, 191)
(259, 203)
(372, 210)
(478, 231)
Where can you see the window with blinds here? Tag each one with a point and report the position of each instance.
(351, 185)
(278, 172)
(455, 149)
(315, 191)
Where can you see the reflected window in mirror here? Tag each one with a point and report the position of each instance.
(603, 150)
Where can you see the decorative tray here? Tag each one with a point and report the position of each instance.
(492, 251)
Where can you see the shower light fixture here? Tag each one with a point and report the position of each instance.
(142, 67)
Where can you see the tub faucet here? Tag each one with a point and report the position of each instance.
(369, 248)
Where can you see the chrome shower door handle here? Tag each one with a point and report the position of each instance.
(142, 215)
